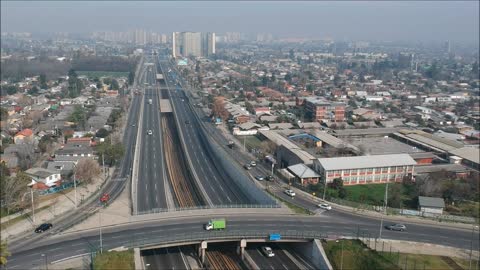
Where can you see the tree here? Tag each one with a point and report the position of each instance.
(86, 170)
(102, 133)
(114, 85)
(219, 108)
(75, 85)
(395, 195)
(33, 91)
(111, 152)
(79, 116)
(4, 253)
(337, 183)
(131, 78)
(12, 190)
(45, 143)
(249, 107)
(43, 81)
(288, 78)
(11, 89)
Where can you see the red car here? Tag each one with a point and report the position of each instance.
(105, 197)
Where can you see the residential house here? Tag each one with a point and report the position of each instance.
(43, 178)
(24, 136)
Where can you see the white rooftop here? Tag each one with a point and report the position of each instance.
(361, 162)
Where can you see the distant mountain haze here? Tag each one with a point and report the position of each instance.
(387, 20)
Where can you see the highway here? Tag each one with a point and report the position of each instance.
(171, 258)
(219, 188)
(63, 246)
(152, 185)
(283, 259)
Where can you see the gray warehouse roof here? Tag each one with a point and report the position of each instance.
(303, 171)
(468, 153)
(431, 202)
(361, 162)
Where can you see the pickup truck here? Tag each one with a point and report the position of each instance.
(216, 224)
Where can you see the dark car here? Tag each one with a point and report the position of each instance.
(187, 122)
(43, 227)
(396, 227)
(270, 178)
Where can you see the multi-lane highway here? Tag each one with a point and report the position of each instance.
(212, 176)
(133, 234)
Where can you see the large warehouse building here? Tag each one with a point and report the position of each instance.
(365, 169)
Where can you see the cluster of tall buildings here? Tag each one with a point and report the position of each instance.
(199, 44)
(137, 37)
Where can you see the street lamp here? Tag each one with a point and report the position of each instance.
(75, 183)
(46, 260)
(384, 209)
(471, 246)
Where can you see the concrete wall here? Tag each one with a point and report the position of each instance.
(314, 252)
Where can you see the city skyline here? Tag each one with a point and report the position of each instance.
(424, 21)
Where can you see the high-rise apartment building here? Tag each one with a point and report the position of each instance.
(193, 44)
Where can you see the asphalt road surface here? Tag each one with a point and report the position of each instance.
(219, 188)
(60, 247)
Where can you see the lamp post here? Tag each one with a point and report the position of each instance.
(46, 260)
(384, 210)
(33, 205)
(100, 227)
(471, 247)
(75, 184)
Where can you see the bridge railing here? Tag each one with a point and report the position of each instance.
(233, 235)
(165, 210)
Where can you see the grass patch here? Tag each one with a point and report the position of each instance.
(355, 256)
(21, 217)
(250, 141)
(420, 261)
(114, 260)
(293, 207)
(99, 74)
(369, 194)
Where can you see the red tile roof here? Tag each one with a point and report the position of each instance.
(26, 132)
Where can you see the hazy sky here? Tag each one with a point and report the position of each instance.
(389, 20)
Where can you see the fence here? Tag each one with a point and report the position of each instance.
(57, 189)
(203, 207)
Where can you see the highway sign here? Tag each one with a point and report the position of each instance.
(275, 236)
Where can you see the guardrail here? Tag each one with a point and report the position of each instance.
(226, 235)
(136, 158)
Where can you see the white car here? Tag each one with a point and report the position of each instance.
(253, 164)
(268, 252)
(149, 132)
(290, 192)
(325, 206)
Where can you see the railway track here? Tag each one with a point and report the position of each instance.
(178, 179)
(218, 260)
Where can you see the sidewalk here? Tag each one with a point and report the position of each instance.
(386, 245)
(52, 208)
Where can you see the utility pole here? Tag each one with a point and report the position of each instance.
(33, 205)
(324, 188)
(46, 261)
(75, 185)
(101, 240)
(471, 248)
(384, 209)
